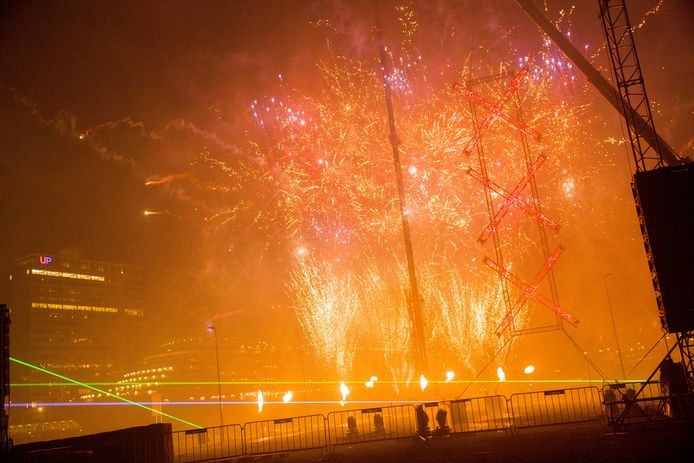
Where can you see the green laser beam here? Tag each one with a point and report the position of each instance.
(270, 383)
(79, 383)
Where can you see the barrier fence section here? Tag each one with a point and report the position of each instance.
(623, 406)
(285, 435)
(559, 406)
(371, 424)
(476, 414)
(489, 413)
(208, 444)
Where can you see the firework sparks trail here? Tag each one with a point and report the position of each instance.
(390, 317)
(340, 205)
(466, 315)
(314, 175)
(321, 177)
(327, 309)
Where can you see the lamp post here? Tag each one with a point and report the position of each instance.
(614, 326)
(213, 329)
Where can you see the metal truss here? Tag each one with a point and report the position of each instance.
(510, 199)
(627, 73)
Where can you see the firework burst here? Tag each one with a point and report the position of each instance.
(317, 177)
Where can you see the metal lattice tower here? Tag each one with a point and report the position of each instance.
(629, 80)
(511, 198)
(474, 144)
(560, 315)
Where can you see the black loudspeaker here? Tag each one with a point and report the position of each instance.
(665, 204)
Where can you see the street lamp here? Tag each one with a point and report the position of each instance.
(211, 328)
(614, 326)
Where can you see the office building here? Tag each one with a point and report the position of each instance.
(77, 317)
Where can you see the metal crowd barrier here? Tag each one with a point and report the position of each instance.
(284, 435)
(488, 413)
(560, 406)
(371, 424)
(208, 444)
(624, 406)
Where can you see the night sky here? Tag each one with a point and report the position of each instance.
(97, 98)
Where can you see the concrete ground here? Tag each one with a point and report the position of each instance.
(589, 442)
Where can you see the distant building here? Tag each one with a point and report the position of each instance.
(78, 317)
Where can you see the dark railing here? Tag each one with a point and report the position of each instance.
(208, 444)
(489, 413)
(371, 424)
(469, 415)
(559, 406)
(622, 403)
(284, 435)
(640, 402)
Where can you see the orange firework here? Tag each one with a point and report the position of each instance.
(323, 176)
